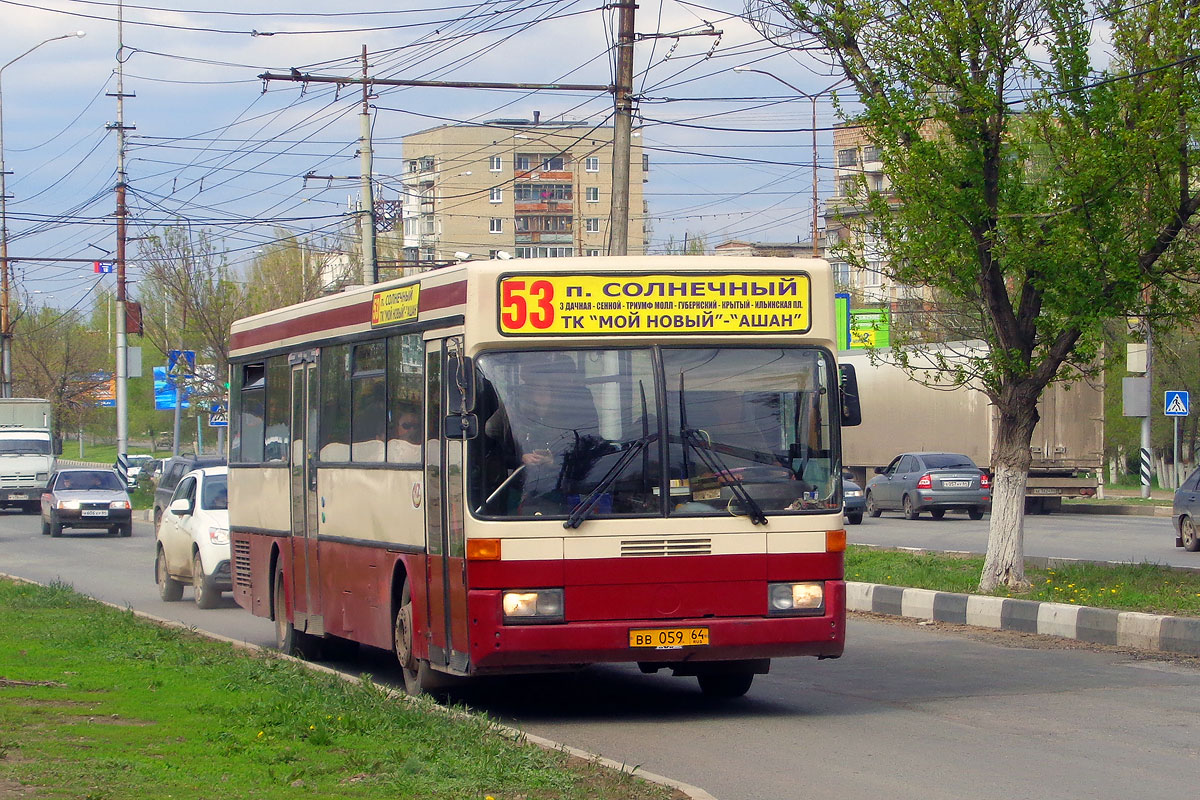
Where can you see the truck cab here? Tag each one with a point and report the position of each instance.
(27, 452)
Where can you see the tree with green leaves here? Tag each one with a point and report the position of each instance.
(62, 359)
(1036, 192)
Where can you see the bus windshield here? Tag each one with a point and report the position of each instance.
(654, 432)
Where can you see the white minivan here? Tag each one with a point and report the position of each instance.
(193, 539)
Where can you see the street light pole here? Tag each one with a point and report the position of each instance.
(5, 321)
(813, 98)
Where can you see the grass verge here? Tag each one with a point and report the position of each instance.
(1134, 587)
(98, 704)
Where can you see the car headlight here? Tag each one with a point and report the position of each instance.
(218, 535)
(534, 605)
(807, 597)
(68, 505)
(853, 493)
(119, 505)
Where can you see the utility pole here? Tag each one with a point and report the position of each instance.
(618, 222)
(368, 194)
(122, 344)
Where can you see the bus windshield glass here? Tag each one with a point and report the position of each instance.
(584, 434)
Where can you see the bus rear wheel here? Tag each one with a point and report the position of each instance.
(287, 639)
(418, 676)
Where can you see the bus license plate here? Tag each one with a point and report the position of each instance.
(668, 637)
(88, 513)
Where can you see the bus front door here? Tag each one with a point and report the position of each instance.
(305, 580)
(446, 565)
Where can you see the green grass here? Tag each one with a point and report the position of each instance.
(1135, 587)
(97, 704)
(107, 453)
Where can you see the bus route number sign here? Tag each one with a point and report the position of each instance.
(668, 637)
(651, 304)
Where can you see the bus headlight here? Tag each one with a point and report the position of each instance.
(534, 605)
(796, 598)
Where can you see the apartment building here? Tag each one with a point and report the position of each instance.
(857, 170)
(514, 188)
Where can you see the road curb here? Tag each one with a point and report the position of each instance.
(1117, 510)
(693, 792)
(1132, 629)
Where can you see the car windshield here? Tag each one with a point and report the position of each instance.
(947, 461)
(671, 431)
(89, 482)
(214, 495)
(24, 447)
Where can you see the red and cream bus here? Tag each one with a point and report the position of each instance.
(518, 466)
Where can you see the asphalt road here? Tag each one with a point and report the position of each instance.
(911, 711)
(1086, 536)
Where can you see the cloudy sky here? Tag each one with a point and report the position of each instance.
(730, 153)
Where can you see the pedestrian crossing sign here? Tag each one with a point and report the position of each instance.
(1175, 404)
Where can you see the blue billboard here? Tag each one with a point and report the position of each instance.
(164, 391)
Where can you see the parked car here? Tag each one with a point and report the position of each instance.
(853, 499)
(135, 465)
(86, 498)
(173, 470)
(1183, 513)
(933, 482)
(193, 539)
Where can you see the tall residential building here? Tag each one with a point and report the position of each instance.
(857, 170)
(520, 188)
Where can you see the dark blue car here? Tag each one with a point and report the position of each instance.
(853, 499)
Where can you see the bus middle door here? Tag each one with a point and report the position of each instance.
(305, 578)
(444, 514)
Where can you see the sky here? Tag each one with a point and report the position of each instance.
(730, 153)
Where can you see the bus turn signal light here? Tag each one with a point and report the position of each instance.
(483, 549)
(835, 541)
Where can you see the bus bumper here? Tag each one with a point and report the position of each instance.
(498, 647)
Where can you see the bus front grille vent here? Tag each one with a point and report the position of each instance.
(241, 563)
(665, 547)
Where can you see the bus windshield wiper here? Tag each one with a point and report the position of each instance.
(631, 449)
(693, 440)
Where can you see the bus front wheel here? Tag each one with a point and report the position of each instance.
(725, 684)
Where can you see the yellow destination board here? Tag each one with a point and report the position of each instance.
(393, 306)
(655, 304)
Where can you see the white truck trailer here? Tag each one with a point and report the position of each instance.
(902, 415)
(27, 451)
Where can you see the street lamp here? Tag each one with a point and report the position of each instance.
(813, 97)
(5, 322)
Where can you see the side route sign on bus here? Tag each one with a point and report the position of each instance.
(540, 304)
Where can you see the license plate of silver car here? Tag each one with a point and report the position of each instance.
(956, 484)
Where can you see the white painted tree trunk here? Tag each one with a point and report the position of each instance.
(1005, 561)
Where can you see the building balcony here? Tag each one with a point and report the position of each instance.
(541, 237)
(560, 207)
(546, 175)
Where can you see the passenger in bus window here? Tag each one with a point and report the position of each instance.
(404, 438)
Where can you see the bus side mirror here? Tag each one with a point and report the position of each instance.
(851, 410)
(460, 385)
(464, 426)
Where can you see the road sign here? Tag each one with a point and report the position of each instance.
(1175, 404)
(181, 363)
(218, 416)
